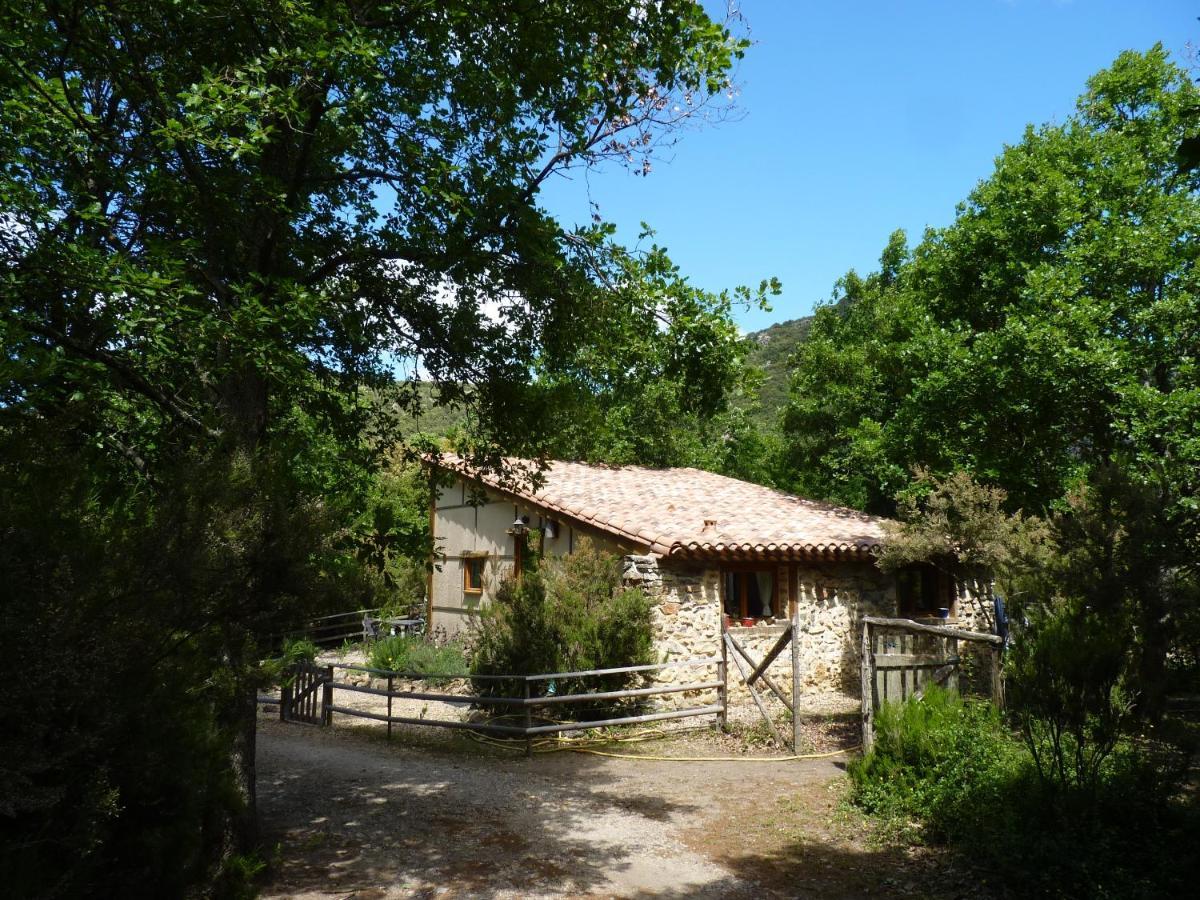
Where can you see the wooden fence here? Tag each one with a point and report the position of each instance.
(332, 630)
(306, 694)
(292, 698)
(901, 658)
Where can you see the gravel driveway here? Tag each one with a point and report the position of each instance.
(355, 816)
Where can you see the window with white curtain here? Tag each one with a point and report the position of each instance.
(750, 593)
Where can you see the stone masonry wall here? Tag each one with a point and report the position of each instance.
(686, 622)
(832, 598)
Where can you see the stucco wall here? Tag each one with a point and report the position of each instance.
(461, 528)
(464, 527)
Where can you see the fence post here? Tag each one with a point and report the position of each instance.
(390, 677)
(723, 677)
(528, 723)
(952, 678)
(997, 678)
(796, 678)
(327, 696)
(285, 693)
(868, 690)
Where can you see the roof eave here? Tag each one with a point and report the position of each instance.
(776, 553)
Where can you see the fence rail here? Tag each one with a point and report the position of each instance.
(314, 680)
(329, 631)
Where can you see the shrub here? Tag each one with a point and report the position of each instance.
(948, 770)
(940, 760)
(569, 614)
(1066, 677)
(297, 649)
(276, 668)
(403, 653)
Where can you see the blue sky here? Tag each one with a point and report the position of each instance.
(859, 118)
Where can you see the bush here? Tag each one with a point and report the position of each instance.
(1066, 683)
(948, 771)
(569, 614)
(942, 761)
(298, 649)
(403, 653)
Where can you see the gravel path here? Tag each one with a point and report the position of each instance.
(355, 816)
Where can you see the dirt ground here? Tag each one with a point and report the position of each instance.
(435, 814)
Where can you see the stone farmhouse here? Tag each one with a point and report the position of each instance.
(710, 550)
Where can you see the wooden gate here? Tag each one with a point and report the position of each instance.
(307, 695)
(901, 658)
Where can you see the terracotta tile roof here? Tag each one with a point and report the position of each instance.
(689, 512)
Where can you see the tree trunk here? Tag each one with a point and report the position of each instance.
(244, 399)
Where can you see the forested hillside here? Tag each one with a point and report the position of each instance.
(770, 351)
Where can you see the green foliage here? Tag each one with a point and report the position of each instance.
(770, 352)
(569, 614)
(1093, 610)
(298, 649)
(947, 760)
(239, 874)
(1110, 605)
(645, 371)
(945, 770)
(1045, 345)
(1046, 332)
(391, 535)
(126, 691)
(403, 653)
(224, 225)
(963, 527)
(1067, 677)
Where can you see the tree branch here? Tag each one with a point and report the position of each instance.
(125, 373)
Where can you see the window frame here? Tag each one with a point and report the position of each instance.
(470, 585)
(741, 572)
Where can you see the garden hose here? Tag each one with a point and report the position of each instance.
(761, 759)
(588, 745)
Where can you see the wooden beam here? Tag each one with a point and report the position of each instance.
(754, 695)
(770, 657)
(327, 696)
(794, 630)
(937, 677)
(868, 689)
(911, 661)
(723, 677)
(626, 720)
(783, 698)
(621, 670)
(942, 630)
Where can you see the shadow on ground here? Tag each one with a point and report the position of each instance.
(353, 815)
(349, 813)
